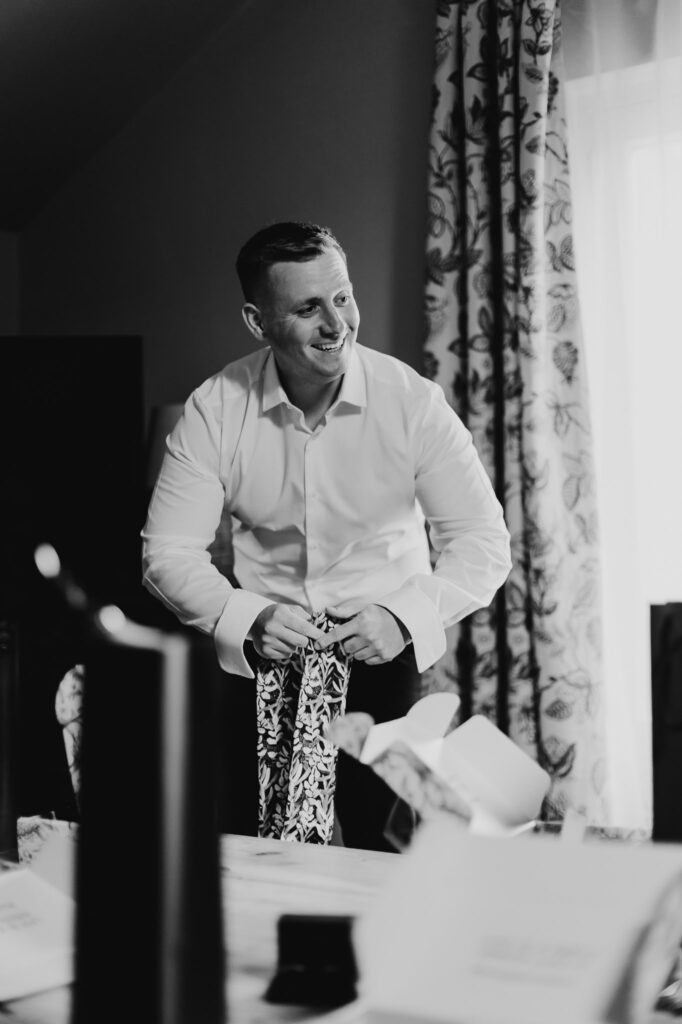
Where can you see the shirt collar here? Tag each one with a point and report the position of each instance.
(353, 387)
(273, 392)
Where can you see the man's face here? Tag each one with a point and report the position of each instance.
(309, 318)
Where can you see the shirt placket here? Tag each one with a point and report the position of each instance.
(313, 520)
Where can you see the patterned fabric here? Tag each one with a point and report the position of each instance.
(504, 341)
(34, 831)
(68, 709)
(296, 701)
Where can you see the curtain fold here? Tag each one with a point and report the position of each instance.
(504, 341)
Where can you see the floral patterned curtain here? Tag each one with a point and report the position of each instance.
(504, 341)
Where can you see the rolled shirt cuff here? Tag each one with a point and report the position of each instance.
(232, 629)
(422, 621)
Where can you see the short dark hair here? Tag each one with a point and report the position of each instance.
(286, 242)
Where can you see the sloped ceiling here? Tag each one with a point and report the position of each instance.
(72, 72)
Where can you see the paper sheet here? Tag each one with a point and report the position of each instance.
(36, 935)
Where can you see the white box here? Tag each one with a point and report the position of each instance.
(473, 771)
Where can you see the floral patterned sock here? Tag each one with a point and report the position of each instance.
(296, 701)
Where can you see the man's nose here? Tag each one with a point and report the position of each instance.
(332, 324)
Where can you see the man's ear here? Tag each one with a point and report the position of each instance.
(253, 320)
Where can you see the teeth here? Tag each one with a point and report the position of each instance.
(329, 348)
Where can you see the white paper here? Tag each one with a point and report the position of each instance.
(36, 935)
(481, 932)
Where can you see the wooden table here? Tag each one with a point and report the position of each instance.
(266, 878)
(262, 878)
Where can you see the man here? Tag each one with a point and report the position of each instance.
(327, 456)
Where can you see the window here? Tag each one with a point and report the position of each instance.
(625, 133)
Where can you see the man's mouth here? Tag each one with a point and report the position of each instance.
(333, 346)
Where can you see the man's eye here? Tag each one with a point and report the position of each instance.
(307, 310)
(342, 300)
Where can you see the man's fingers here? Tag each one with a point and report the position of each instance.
(296, 609)
(337, 634)
(370, 658)
(293, 639)
(362, 636)
(274, 649)
(360, 650)
(281, 629)
(342, 611)
(276, 653)
(296, 621)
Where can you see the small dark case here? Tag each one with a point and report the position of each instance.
(316, 964)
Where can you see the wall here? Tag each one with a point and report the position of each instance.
(9, 283)
(301, 110)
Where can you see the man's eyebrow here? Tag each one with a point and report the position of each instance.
(318, 298)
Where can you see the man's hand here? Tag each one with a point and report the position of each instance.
(372, 634)
(282, 629)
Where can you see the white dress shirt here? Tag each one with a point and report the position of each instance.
(325, 516)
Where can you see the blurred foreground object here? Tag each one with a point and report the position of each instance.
(148, 879)
(9, 707)
(36, 934)
(471, 929)
(148, 863)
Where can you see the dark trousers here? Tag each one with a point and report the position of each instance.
(363, 801)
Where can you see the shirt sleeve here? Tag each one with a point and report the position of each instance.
(184, 514)
(466, 528)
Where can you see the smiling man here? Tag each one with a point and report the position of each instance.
(328, 458)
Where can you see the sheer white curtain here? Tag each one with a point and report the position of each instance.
(624, 108)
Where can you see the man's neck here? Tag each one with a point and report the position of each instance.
(314, 400)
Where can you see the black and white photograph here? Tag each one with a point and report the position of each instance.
(341, 544)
